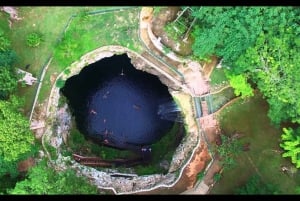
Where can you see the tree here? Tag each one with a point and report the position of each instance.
(7, 58)
(272, 65)
(4, 41)
(8, 76)
(240, 85)
(16, 138)
(261, 43)
(225, 31)
(43, 180)
(8, 82)
(8, 167)
(291, 145)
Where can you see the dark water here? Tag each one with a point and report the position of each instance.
(115, 103)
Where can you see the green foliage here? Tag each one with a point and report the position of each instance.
(291, 145)
(175, 30)
(34, 39)
(43, 180)
(67, 71)
(255, 186)
(8, 82)
(4, 42)
(67, 49)
(8, 167)
(200, 175)
(217, 177)
(60, 83)
(297, 190)
(16, 138)
(228, 150)
(261, 42)
(83, 15)
(161, 150)
(8, 77)
(7, 58)
(240, 85)
(225, 31)
(156, 10)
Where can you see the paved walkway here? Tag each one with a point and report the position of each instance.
(197, 86)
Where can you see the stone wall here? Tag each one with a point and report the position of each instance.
(105, 179)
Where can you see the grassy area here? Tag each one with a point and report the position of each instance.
(218, 79)
(50, 22)
(249, 118)
(219, 99)
(85, 34)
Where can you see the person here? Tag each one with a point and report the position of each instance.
(93, 112)
(137, 107)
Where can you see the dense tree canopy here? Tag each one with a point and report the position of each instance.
(8, 76)
(16, 138)
(261, 43)
(44, 180)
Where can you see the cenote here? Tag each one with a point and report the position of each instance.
(118, 105)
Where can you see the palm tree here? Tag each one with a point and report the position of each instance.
(291, 145)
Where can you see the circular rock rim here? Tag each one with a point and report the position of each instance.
(103, 179)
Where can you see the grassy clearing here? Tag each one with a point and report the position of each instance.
(250, 119)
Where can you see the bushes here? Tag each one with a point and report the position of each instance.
(34, 39)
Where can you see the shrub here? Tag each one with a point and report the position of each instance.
(34, 39)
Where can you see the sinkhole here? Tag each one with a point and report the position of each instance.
(119, 106)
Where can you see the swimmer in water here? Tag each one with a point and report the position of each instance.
(122, 73)
(136, 106)
(105, 95)
(93, 112)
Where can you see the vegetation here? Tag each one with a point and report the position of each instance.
(200, 175)
(240, 85)
(291, 145)
(34, 39)
(262, 53)
(60, 83)
(42, 180)
(249, 118)
(257, 50)
(16, 138)
(161, 150)
(8, 75)
(228, 150)
(255, 186)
